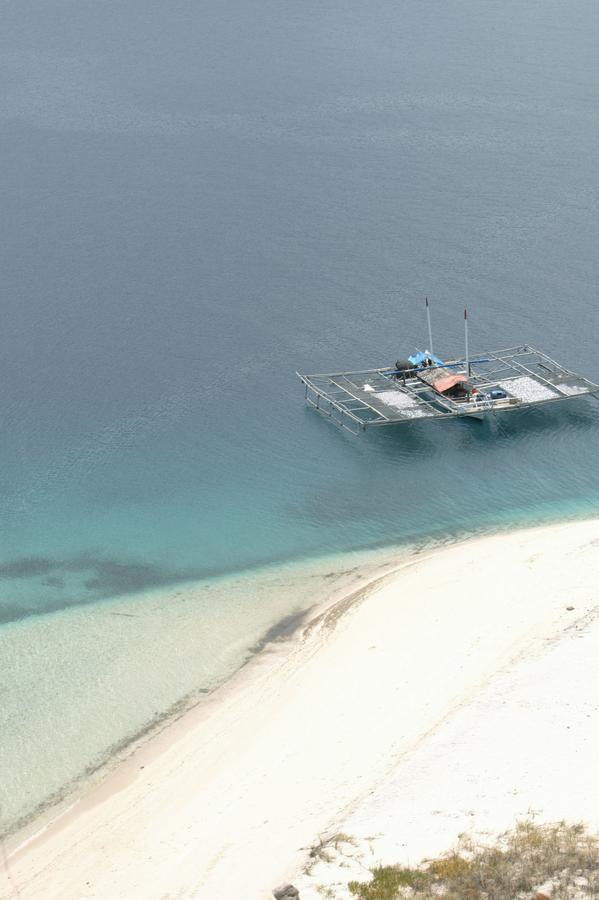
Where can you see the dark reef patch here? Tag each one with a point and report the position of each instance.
(27, 567)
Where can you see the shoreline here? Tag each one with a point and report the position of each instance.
(270, 604)
(203, 749)
(50, 813)
(112, 748)
(343, 572)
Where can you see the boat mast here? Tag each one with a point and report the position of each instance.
(430, 331)
(466, 339)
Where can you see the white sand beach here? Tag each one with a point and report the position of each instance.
(458, 692)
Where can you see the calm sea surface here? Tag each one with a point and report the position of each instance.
(199, 199)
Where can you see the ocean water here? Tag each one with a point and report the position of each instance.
(201, 199)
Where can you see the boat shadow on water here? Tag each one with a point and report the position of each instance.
(424, 438)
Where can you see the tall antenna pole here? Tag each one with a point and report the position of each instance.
(466, 337)
(430, 331)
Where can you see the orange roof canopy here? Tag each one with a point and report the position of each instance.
(449, 381)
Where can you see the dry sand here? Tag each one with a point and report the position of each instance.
(457, 693)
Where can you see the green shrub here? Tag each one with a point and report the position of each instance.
(386, 883)
(521, 861)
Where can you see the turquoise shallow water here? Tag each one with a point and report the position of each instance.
(81, 683)
(202, 199)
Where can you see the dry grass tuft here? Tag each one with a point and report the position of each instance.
(322, 851)
(530, 862)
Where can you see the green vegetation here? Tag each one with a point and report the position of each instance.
(561, 860)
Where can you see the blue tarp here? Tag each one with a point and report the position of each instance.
(418, 359)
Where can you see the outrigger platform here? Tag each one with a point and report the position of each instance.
(426, 387)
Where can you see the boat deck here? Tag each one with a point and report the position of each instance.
(374, 397)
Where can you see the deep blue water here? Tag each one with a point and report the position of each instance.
(200, 198)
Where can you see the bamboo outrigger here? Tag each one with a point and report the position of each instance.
(426, 387)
